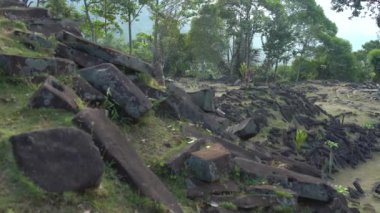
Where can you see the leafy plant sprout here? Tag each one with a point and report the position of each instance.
(331, 145)
(301, 136)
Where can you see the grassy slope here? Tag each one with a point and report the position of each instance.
(154, 139)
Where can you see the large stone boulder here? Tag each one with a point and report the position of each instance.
(245, 129)
(305, 186)
(119, 150)
(180, 105)
(53, 94)
(59, 160)
(204, 99)
(81, 58)
(210, 163)
(121, 60)
(21, 13)
(108, 78)
(19, 65)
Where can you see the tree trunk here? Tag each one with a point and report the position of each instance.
(86, 10)
(130, 32)
(155, 34)
(275, 71)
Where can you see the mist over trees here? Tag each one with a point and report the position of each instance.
(276, 40)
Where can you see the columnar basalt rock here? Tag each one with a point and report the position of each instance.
(119, 59)
(25, 66)
(109, 79)
(53, 94)
(117, 148)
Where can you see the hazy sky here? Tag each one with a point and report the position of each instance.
(357, 30)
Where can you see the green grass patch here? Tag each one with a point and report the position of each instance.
(11, 45)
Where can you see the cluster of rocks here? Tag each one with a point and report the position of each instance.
(220, 171)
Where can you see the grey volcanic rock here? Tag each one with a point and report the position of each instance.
(121, 60)
(245, 129)
(86, 92)
(19, 65)
(11, 3)
(21, 13)
(53, 94)
(107, 77)
(59, 160)
(81, 58)
(180, 105)
(119, 150)
(49, 26)
(305, 186)
(204, 99)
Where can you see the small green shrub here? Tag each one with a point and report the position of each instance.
(341, 189)
(301, 136)
(228, 205)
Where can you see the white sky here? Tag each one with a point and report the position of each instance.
(357, 30)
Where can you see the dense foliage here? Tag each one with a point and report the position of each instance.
(278, 40)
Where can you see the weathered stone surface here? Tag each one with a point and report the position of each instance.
(106, 77)
(177, 162)
(19, 65)
(50, 27)
(204, 99)
(305, 186)
(86, 92)
(118, 149)
(245, 129)
(21, 13)
(53, 94)
(59, 160)
(121, 60)
(209, 163)
(180, 105)
(11, 3)
(81, 58)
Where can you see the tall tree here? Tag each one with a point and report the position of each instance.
(207, 40)
(244, 19)
(129, 11)
(371, 7)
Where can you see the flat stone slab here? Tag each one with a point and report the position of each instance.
(59, 160)
(118, 149)
(108, 78)
(19, 65)
(121, 60)
(53, 94)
